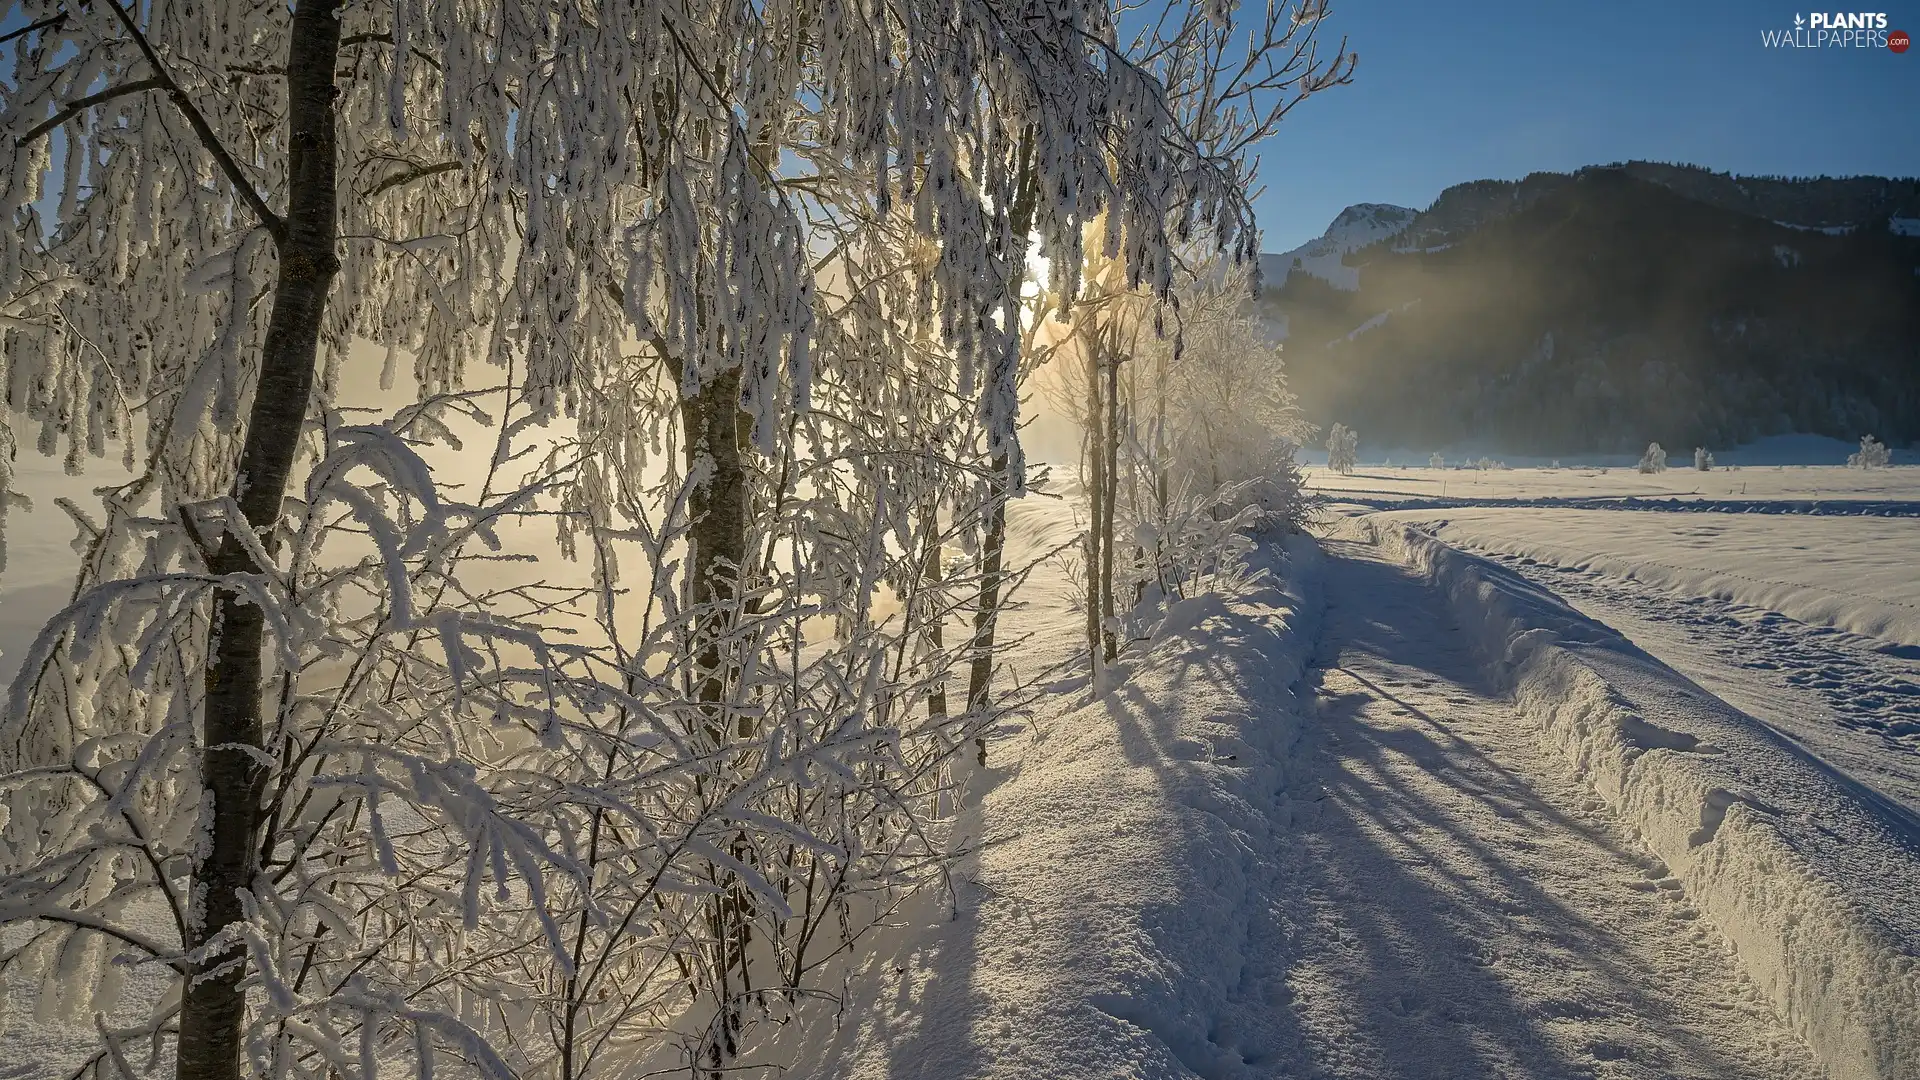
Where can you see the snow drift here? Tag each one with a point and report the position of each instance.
(1810, 875)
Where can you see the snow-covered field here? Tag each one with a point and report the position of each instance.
(1803, 456)
(1399, 813)
(1774, 489)
(1808, 622)
(1852, 573)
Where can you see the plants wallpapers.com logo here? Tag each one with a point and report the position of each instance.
(1838, 30)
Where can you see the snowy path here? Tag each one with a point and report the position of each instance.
(1851, 700)
(1455, 905)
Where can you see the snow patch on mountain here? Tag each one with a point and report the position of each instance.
(1380, 320)
(1371, 324)
(1323, 257)
(1830, 230)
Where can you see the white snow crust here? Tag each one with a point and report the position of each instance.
(1810, 875)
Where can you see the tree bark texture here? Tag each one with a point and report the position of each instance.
(213, 1008)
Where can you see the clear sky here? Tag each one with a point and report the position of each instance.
(1449, 92)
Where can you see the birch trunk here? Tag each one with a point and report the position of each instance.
(213, 1009)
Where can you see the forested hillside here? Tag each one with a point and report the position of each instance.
(1599, 310)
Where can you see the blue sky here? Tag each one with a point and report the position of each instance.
(1451, 92)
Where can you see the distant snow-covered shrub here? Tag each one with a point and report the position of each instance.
(1436, 461)
(1343, 446)
(1654, 460)
(1702, 459)
(1873, 454)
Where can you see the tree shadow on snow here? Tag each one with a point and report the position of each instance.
(1400, 905)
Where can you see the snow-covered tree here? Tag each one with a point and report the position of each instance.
(1702, 459)
(1343, 446)
(1436, 461)
(1188, 440)
(1654, 460)
(1873, 454)
(629, 806)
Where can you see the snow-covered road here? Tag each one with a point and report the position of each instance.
(1457, 905)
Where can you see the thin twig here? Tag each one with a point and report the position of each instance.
(201, 128)
(420, 172)
(89, 102)
(52, 23)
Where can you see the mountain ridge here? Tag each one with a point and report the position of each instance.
(1604, 308)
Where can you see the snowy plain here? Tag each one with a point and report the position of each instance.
(1808, 622)
(1325, 827)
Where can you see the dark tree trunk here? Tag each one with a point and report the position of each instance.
(936, 614)
(716, 560)
(986, 614)
(993, 547)
(1096, 484)
(213, 1009)
(1111, 472)
(719, 531)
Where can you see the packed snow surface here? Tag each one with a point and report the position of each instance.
(1474, 908)
(1275, 850)
(1810, 874)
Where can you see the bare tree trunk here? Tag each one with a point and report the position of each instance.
(1111, 450)
(213, 1008)
(1096, 487)
(993, 547)
(718, 507)
(1162, 451)
(987, 613)
(716, 560)
(936, 610)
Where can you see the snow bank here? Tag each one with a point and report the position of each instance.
(1811, 876)
(1853, 574)
(1100, 930)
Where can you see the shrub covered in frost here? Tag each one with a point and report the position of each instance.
(1343, 447)
(1654, 460)
(1873, 454)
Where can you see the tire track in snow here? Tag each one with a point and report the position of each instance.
(1462, 906)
